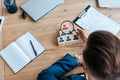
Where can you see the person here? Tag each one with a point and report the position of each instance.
(100, 59)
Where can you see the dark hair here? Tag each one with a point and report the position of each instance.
(102, 55)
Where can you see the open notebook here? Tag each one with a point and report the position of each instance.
(93, 20)
(20, 52)
(109, 3)
(36, 9)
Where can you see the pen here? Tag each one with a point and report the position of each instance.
(35, 52)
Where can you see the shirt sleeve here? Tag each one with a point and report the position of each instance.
(74, 77)
(58, 69)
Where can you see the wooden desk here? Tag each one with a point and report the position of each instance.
(46, 32)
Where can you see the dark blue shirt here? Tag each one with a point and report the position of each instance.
(59, 69)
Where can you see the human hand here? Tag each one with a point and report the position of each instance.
(83, 34)
(79, 58)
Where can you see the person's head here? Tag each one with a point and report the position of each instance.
(102, 56)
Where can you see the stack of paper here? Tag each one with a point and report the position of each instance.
(109, 3)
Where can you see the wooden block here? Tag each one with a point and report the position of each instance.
(67, 40)
(71, 40)
(61, 33)
(61, 41)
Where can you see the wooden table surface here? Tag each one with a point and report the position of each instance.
(46, 32)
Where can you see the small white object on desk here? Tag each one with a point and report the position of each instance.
(109, 3)
(68, 39)
(67, 34)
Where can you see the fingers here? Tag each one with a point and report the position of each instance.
(83, 34)
(81, 59)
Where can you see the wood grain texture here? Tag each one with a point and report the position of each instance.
(46, 32)
(2, 75)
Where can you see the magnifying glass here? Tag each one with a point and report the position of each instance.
(67, 27)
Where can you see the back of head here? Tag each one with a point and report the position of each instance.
(102, 55)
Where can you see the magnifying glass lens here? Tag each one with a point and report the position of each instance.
(67, 27)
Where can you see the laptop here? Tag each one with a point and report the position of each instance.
(109, 3)
(37, 9)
